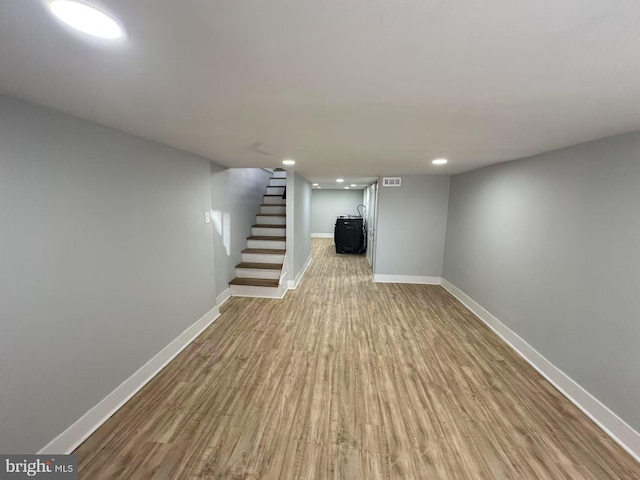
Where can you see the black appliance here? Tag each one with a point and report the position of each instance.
(349, 234)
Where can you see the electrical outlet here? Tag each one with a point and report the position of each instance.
(207, 217)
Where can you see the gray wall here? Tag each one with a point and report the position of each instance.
(236, 195)
(550, 246)
(104, 259)
(326, 205)
(302, 223)
(411, 229)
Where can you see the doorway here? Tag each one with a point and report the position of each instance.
(371, 202)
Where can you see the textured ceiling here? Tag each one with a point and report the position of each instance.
(351, 88)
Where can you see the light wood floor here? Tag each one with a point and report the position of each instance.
(348, 379)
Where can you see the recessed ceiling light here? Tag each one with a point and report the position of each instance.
(439, 161)
(315, 184)
(346, 188)
(353, 184)
(288, 162)
(339, 180)
(87, 18)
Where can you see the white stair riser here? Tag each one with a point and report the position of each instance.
(251, 291)
(257, 273)
(278, 182)
(273, 244)
(274, 200)
(268, 232)
(273, 209)
(271, 220)
(263, 257)
(275, 190)
(280, 174)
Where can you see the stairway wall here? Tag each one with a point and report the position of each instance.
(236, 194)
(301, 224)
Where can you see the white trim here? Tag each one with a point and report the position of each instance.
(601, 415)
(283, 272)
(265, 273)
(254, 291)
(78, 432)
(293, 284)
(223, 297)
(322, 235)
(421, 280)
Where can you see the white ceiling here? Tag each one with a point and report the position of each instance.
(351, 88)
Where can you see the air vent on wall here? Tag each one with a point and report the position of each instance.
(391, 181)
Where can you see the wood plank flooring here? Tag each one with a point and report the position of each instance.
(347, 379)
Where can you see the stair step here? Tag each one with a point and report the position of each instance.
(266, 237)
(264, 270)
(273, 209)
(274, 200)
(256, 282)
(264, 251)
(267, 266)
(269, 219)
(268, 225)
(271, 214)
(272, 195)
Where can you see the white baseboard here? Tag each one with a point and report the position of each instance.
(601, 415)
(322, 235)
(223, 297)
(78, 432)
(384, 278)
(293, 284)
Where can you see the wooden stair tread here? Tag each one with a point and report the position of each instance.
(274, 251)
(266, 237)
(268, 225)
(271, 215)
(255, 282)
(273, 195)
(260, 266)
(271, 205)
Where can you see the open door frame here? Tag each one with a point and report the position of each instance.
(371, 202)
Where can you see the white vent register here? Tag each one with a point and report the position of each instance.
(391, 181)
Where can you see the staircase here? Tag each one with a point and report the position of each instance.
(260, 272)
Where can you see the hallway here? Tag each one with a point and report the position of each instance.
(349, 379)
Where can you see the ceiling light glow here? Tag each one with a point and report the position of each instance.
(339, 180)
(315, 184)
(346, 188)
(439, 161)
(288, 162)
(87, 18)
(353, 184)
